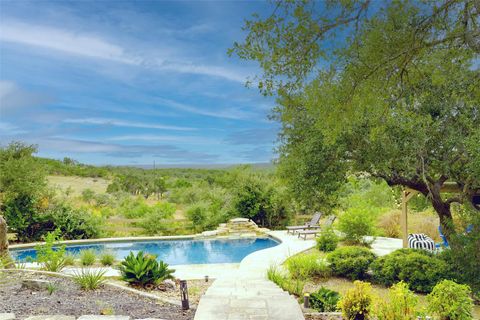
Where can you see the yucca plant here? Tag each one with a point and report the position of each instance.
(143, 269)
(89, 279)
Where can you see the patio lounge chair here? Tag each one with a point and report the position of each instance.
(327, 224)
(313, 224)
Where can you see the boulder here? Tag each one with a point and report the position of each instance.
(35, 285)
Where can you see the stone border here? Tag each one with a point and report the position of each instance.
(114, 285)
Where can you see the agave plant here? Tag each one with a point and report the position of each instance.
(144, 269)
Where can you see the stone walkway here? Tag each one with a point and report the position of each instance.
(247, 294)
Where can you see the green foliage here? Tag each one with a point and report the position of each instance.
(324, 300)
(143, 269)
(420, 269)
(356, 223)
(87, 257)
(132, 209)
(292, 286)
(88, 195)
(356, 304)
(327, 240)
(351, 262)
(51, 255)
(89, 279)
(106, 258)
(69, 259)
(450, 301)
(199, 215)
(154, 222)
(51, 288)
(388, 104)
(305, 266)
(400, 304)
(75, 223)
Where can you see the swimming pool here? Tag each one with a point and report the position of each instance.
(173, 252)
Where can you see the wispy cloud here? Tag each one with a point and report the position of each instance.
(165, 138)
(94, 46)
(13, 97)
(124, 123)
(226, 113)
(8, 129)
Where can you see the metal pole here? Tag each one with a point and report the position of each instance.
(306, 302)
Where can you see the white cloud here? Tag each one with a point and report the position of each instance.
(165, 138)
(124, 123)
(8, 129)
(93, 46)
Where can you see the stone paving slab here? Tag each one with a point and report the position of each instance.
(7, 316)
(98, 317)
(51, 317)
(247, 295)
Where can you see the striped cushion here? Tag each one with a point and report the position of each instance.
(420, 241)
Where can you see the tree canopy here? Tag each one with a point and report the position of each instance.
(389, 89)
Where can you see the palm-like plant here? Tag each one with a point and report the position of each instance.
(143, 269)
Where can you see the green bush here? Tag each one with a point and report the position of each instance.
(70, 259)
(450, 301)
(75, 223)
(143, 269)
(132, 209)
(400, 304)
(51, 255)
(87, 257)
(419, 268)
(154, 221)
(304, 266)
(198, 214)
(324, 300)
(106, 258)
(351, 262)
(327, 240)
(356, 304)
(89, 279)
(356, 223)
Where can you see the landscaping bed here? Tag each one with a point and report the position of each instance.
(68, 299)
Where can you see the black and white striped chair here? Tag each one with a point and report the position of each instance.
(421, 241)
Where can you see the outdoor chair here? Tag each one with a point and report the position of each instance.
(421, 241)
(313, 224)
(328, 223)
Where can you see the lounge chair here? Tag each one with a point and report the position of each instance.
(327, 224)
(313, 224)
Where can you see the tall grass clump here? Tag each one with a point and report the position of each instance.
(87, 257)
(89, 279)
(107, 258)
(292, 286)
(51, 255)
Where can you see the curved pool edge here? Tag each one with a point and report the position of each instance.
(140, 239)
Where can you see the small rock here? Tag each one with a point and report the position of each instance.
(170, 284)
(95, 317)
(7, 316)
(36, 285)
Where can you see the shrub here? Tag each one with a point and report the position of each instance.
(70, 259)
(143, 269)
(327, 241)
(357, 302)
(351, 262)
(399, 305)
(390, 224)
(419, 268)
(107, 258)
(132, 209)
(324, 300)
(89, 279)
(356, 223)
(75, 223)
(87, 257)
(152, 222)
(198, 214)
(51, 255)
(450, 301)
(304, 266)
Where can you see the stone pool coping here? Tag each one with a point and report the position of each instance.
(140, 239)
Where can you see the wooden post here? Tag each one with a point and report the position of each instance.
(407, 194)
(404, 219)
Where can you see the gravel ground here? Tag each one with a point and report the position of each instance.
(69, 299)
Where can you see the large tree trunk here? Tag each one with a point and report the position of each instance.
(444, 213)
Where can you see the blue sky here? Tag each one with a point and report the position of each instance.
(117, 82)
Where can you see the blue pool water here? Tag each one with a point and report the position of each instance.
(173, 252)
